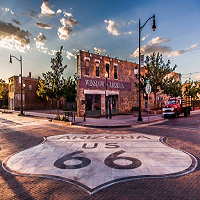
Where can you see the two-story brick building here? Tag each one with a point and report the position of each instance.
(91, 84)
(30, 99)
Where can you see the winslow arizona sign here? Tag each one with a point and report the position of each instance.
(93, 162)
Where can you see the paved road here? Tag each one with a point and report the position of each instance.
(19, 133)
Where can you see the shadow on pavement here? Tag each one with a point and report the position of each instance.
(14, 184)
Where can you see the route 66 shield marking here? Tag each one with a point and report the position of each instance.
(93, 162)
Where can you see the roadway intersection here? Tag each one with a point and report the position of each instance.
(124, 163)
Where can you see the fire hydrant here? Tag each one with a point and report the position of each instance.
(84, 115)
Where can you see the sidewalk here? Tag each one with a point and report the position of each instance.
(117, 121)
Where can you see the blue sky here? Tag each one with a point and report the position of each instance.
(36, 28)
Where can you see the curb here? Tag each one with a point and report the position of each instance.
(107, 126)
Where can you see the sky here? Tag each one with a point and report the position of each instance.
(36, 29)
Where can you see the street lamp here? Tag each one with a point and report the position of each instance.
(140, 30)
(136, 71)
(20, 60)
(193, 84)
(106, 76)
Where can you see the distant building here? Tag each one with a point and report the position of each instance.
(30, 98)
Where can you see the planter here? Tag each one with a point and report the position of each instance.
(62, 122)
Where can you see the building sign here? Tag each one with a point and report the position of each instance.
(96, 83)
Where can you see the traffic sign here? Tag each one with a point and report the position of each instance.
(148, 88)
(148, 80)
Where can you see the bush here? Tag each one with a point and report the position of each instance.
(64, 119)
(57, 118)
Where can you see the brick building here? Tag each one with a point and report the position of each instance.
(30, 98)
(91, 84)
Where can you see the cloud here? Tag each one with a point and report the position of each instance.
(128, 33)
(154, 45)
(67, 14)
(59, 11)
(8, 10)
(158, 40)
(112, 27)
(70, 55)
(16, 21)
(13, 37)
(180, 52)
(52, 52)
(70, 21)
(64, 32)
(197, 77)
(23, 14)
(46, 9)
(32, 13)
(39, 42)
(99, 51)
(41, 25)
(145, 37)
(132, 21)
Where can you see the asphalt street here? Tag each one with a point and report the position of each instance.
(20, 133)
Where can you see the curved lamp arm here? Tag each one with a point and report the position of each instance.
(147, 21)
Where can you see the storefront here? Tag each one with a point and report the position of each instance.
(92, 97)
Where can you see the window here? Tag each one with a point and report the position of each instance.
(107, 69)
(30, 87)
(97, 69)
(87, 65)
(93, 102)
(115, 71)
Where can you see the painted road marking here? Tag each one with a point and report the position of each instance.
(93, 162)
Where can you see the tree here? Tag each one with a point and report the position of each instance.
(3, 91)
(44, 93)
(70, 89)
(172, 87)
(54, 79)
(192, 89)
(156, 71)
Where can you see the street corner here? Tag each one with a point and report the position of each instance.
(93, 162)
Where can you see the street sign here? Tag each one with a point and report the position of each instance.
(148, 81)
(148, 88)
(142, 60)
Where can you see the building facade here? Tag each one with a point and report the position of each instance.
(122, 95)
(30, 98)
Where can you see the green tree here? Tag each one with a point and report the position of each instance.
(156, 71)
(70, 89)
(54, 79)
(3, 91)
(192, 89)
(44, 93)
(172, 87)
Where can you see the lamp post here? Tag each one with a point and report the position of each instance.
(136, 72)
(140, 30)
(193, 84)
(20, 60)
(106, 102)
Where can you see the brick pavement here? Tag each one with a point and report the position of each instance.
(16, 187)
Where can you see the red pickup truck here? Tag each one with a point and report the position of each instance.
(177, 106)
